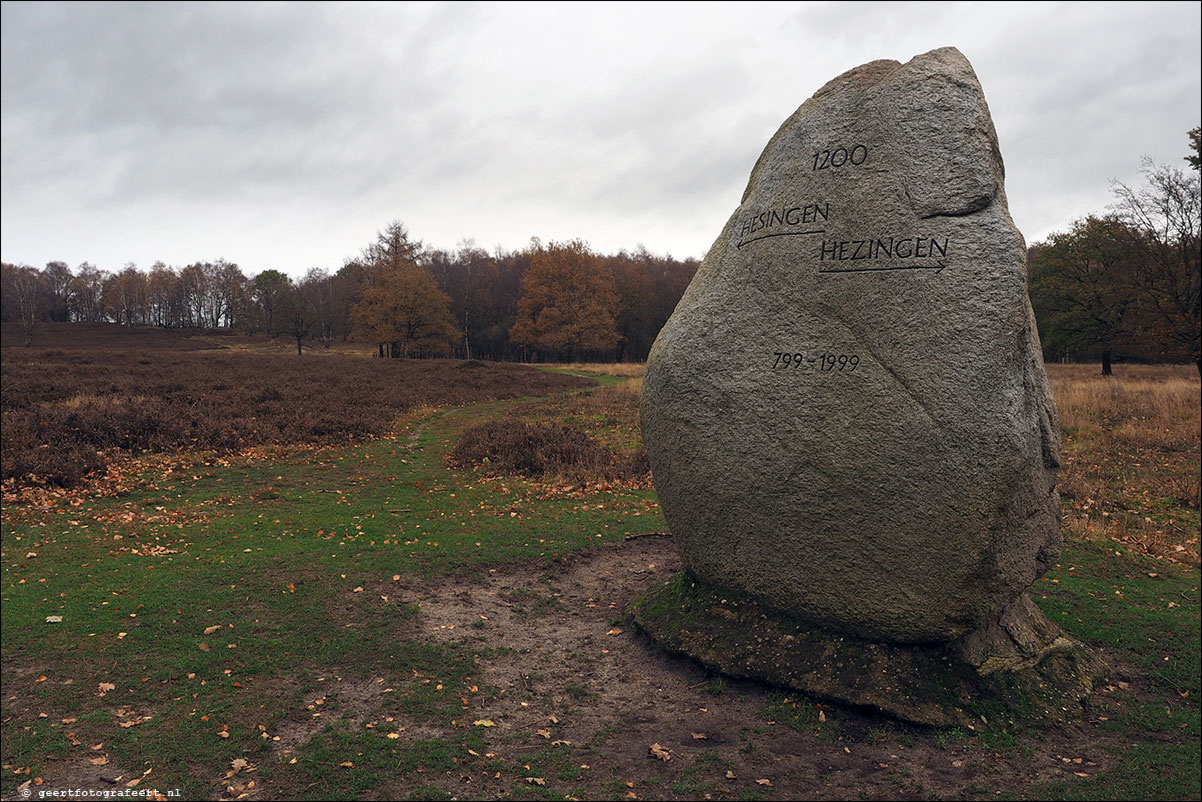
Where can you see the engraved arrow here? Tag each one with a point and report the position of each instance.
(937, 267)
(741, 243)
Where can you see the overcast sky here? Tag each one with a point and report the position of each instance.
(287, 135)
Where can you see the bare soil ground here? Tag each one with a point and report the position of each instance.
(573, 669)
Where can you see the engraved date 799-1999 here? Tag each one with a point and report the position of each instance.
(824, 363)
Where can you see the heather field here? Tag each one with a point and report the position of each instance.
(94, 404)
(333, 577)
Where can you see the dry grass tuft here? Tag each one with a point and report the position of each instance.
(627, 370)
(1131, 456)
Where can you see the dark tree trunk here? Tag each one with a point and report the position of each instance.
(1106, 362)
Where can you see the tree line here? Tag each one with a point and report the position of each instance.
(554, 301)
(1126, 284)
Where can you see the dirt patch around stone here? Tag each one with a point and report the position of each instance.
(563, 664)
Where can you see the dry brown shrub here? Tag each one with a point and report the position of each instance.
(542, 451)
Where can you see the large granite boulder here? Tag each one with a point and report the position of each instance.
(847, 415)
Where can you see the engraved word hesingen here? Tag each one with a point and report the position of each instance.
(784, 216)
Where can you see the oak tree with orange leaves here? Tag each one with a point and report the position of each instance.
(568, 305)
(402, 310)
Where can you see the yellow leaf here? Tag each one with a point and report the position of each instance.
(700, 736)
(536, 781)
(767, 783)
(615, 631)
(393, 736)
(660, 752)
(484, 722)
(346, 764)
(212, 629)
(545, 733)
(99, 761)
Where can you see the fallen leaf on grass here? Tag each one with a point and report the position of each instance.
(536, 781)
(212, 629)
(105, 687)
(660, 752)
(133, 722)
(730, 775)
(54, 619)
(700, 736)
(346, 764)
(766, 783)
(615, 631)
(137, 780)
(545, 733)
(99, 761)
(484, 722)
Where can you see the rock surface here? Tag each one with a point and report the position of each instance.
(847, 415)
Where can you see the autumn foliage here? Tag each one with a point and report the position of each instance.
(401, 296)
(568, 303)
(405, 314)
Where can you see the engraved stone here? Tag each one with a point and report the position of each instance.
(847, 415)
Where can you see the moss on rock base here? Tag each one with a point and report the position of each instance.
(941, 685)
